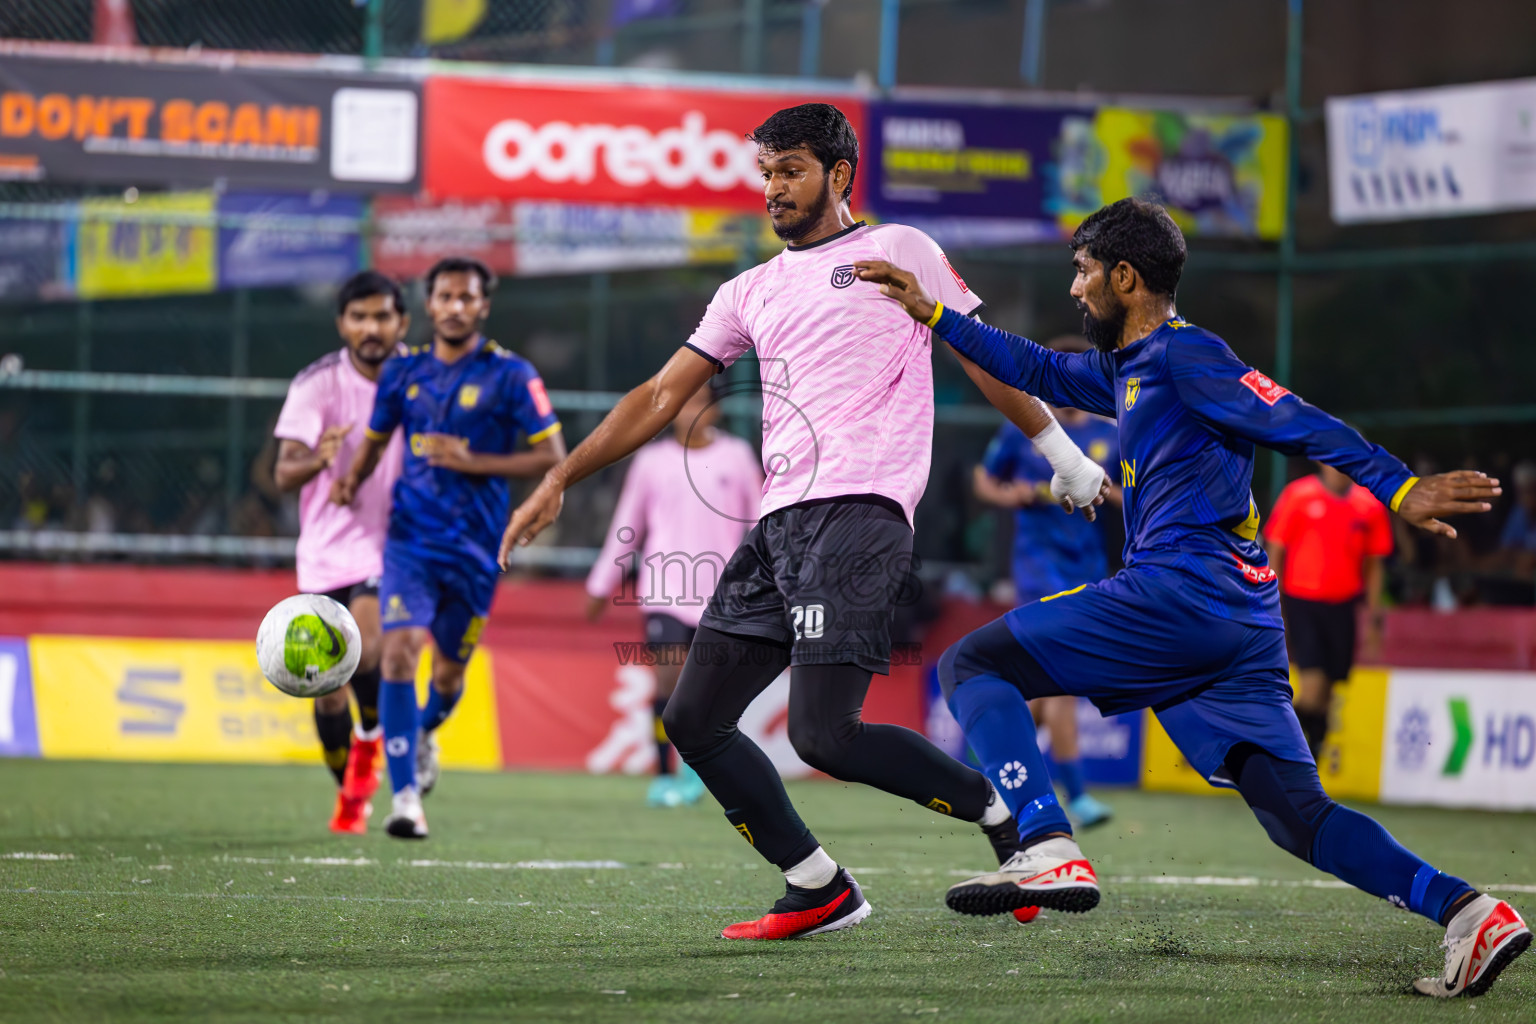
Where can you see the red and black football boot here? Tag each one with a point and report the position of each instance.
(801, 912)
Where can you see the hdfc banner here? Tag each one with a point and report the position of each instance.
(633, 144)
(1460, 739)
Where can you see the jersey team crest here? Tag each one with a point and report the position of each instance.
(1132, 392)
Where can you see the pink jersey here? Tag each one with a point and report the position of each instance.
(847, 375)
(685, 510)
(338, 546)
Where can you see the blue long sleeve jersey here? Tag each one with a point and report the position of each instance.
(1189, 414)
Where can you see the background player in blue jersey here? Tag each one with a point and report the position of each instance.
(463, 403)
(1053, 551)
(1191, 627)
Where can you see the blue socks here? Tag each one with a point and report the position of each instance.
(437, 709)
(1359, 851)
(398, 716)
(1070, 775)
(1000, 730)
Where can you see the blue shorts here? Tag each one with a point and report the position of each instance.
(1137, 640)
(450, 598)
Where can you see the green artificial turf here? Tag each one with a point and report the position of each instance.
(193, 893)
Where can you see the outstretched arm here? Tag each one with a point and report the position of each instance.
(1232, 397)
(639, 416)
(1079, 482)
(1080, 380)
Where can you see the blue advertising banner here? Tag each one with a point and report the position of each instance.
(18, 712)
(991, 163)
(31, 257)
(295, 238)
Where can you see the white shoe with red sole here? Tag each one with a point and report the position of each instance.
(1481, 941)
(1053, 874)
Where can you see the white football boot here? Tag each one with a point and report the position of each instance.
(406, 818)
(1481, 940)
(428, 755)
(1053, 874)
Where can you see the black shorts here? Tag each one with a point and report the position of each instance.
(821, 578)
(667, 638)
(344, 596)
(1320, 635)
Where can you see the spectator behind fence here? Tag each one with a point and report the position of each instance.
(1517, 544)
(1326, 538)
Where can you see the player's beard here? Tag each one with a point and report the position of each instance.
(371, 351)
(1103, 333)
(805, 225)
(461, 340)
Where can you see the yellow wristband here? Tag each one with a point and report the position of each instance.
(1402, 492)
(938, 311)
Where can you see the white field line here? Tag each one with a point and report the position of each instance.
(325, 862)
(1220, 881)
(521, 865)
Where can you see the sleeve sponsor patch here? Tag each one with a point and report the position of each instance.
(541, 403)
(1268, 391)
(958, 279)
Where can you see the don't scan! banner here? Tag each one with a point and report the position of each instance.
(141, 123)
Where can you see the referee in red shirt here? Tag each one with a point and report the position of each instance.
(1326, 538)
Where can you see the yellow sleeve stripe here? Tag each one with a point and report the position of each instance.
(1067, 593)
(548, 431)
(374, 435)
(1402, 492)
(938, 311)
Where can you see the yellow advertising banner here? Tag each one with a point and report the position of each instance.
(1350, 766)
(110, 698)
(1216, 174)
(140, 248)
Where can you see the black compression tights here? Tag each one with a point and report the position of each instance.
(724, 674)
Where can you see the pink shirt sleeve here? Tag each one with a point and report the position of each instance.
(301, 418)
(606, 572)
(720, 335)
(912, 250)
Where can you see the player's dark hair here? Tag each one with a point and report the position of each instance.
(820, 128)
(1140, 233)
(461, 265)
(365, 285)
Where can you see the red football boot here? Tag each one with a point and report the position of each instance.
(362, 776)
(802, 912)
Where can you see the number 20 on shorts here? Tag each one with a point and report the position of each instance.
(810, 621)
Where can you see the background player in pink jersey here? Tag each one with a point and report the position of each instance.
(341, 550)
(688, 500)
(847, 439)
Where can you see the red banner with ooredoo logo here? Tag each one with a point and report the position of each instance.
(655, 146)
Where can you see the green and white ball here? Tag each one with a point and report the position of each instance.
(308, 645)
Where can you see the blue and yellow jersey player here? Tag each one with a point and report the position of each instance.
(1191, 627)
(464, 404)
(1053, 551)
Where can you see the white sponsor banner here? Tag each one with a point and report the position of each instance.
(1433, 152)
(572, 238)
(630, 746)
(1460, 739)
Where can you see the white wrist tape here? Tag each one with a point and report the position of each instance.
(1077, 476)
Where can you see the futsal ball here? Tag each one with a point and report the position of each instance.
(308, 645)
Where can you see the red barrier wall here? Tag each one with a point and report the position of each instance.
(557, 675)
